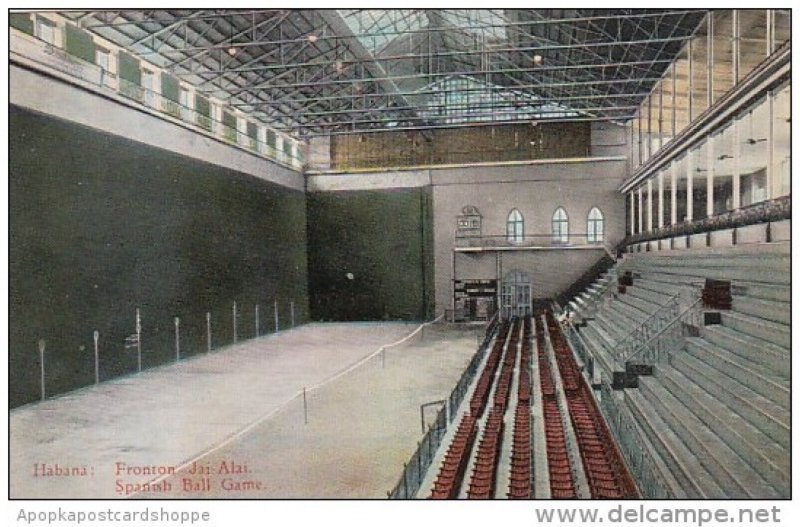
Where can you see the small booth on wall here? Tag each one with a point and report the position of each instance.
(475, 300)
(468, 223)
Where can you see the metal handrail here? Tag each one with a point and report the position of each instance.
(639, 460)
(680, 318)
(574, 330)
(629, 340)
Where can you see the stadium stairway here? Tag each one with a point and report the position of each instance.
(717, 415)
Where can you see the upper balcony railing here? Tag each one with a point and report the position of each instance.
(528, 241)
(49, 57)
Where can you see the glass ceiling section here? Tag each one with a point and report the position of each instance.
(463, 99)
(375, 28)
(487, 22)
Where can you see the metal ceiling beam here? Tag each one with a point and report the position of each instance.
(374, 97)
(549, 47)
(399, 93)
(217, 14)
(509, 106)
(226, 13)
(166, 29)
(340, 27)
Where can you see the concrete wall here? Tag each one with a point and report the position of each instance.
(370, 254)
(535, 189)
(471, 144)
(49, 95)
(609, 139)
(101, 225)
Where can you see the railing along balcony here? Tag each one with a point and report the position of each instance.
(51, 58)
(528, 241)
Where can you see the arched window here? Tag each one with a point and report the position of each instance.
(594, 226)
(515, 227)
(560, 226)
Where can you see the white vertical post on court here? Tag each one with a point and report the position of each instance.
(208, 331)
(305, 406)
(291, 307)
(234, 322)
(177, 339)
(138, 341)
(96, 357)
(256, 320)
(42, 345)
(277, 324)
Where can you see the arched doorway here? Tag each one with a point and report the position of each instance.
(515, 295)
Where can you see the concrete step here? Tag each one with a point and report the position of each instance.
(737, 479)
(740, 370)
(614, 325)
(648, 294)
(758, 450)
(767, 275)
(684, 465)
(727, 261)
(600, 351)
(633, 313)
(587, 297)
(670, 487)
(771, 310)
(774, 357)
(779, 293)
(665, 288)
(762, 413)
(596, 289)
(778, 334)
(643, 305)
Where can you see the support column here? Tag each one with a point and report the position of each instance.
(674, 101)
(690, 167)
(674, 189)
(710, 59)
(771, 192)
(690, 52)
(633, 212)
(641, 222)
(735, 46)
(649, 224)
(770, 31)
(660, 221)
(641, 146)
(710, 159)
(736, 201)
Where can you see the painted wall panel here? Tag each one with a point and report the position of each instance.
(370, 254)
(101, 225)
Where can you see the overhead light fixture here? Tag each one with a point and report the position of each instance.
(313, 38)
(538, 59)
(232, 51)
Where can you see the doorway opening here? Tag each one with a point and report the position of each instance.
(516, 295)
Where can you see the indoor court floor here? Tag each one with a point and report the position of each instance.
(234, 424)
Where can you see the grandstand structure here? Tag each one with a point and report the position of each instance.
(403, 253)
